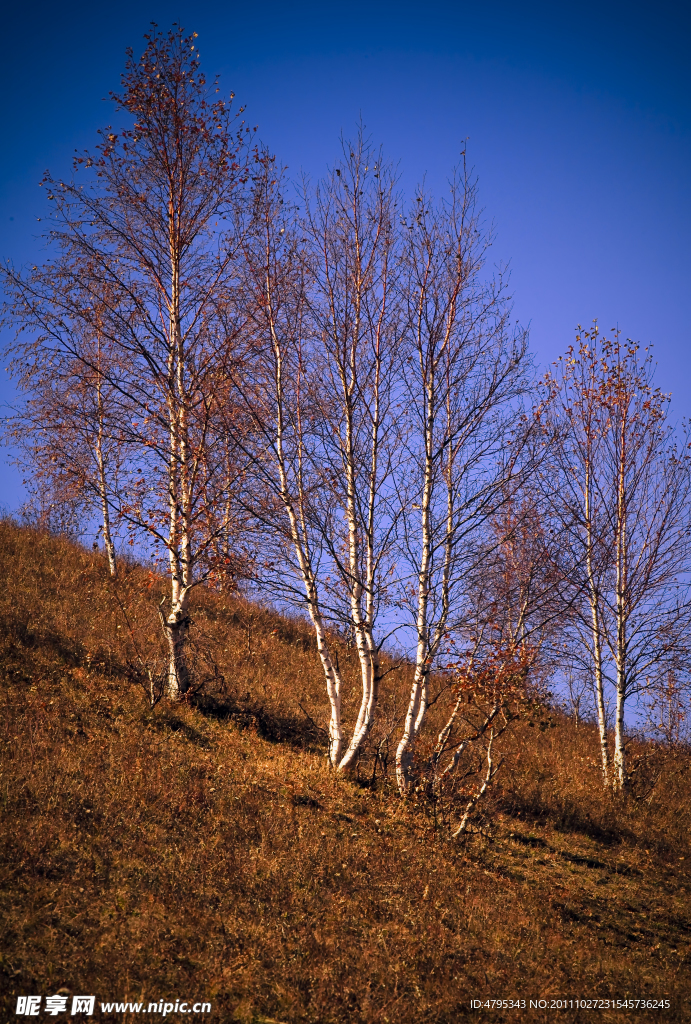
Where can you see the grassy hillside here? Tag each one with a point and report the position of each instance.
(207, 852)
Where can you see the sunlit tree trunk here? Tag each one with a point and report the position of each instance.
(596, 613)
(102, 479)
(354, 249)
(362, 528)
(299, 538)
(621, 600)
(463, 370)
(622, 484)
(147, 245)
(424, 651)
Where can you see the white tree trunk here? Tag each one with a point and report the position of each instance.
(102, 481)
(176, 623)
(300, 546)
(175, 627)
(107, 536)
(620, 767)
(621, 652)
(426, 648)
(598, 680)
(492, 770)
(368, 654)
(596, 624)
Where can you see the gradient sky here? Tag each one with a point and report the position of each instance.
(577, 117)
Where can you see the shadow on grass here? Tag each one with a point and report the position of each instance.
(21, 637)
(601, 823)
(272, 724)
(168, 721)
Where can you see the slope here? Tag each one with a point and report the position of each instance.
(206, 851)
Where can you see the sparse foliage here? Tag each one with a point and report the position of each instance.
(619, 484)
(144, 267)
(325, 397)
(324, 317)
(465, 368)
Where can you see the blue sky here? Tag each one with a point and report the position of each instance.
(577, 116)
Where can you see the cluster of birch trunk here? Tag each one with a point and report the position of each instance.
(318, 392)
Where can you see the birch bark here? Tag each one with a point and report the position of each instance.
(621, 488)
(621, 598)
(274, 397)
(103, 489)
(147, 252)
(350, 225)
(324, 316)
(464, 369)
(596, 615)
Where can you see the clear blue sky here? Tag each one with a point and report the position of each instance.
(577, 115)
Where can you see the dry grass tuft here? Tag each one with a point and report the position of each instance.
(206, 851)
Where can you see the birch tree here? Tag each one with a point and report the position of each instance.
(325, 314)
(577, 422)
(620, 485)
(273, 394)
(353, 291)
(151, 232)
(66, 430)
(465, 368)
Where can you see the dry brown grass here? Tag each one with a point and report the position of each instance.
(207, 851)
